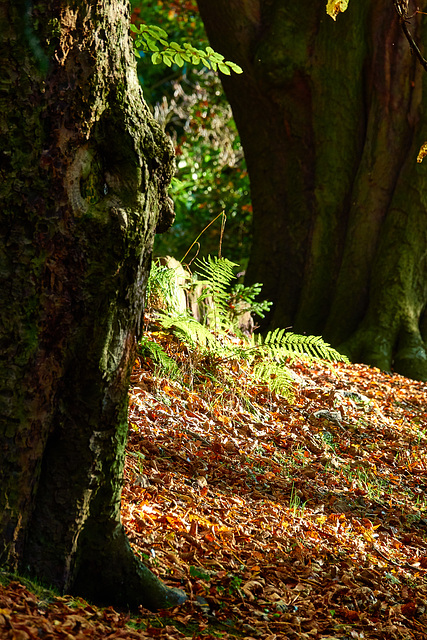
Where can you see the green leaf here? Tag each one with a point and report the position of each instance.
(166, 59)
(223, 67)
(178, 60)
(152, 46)
(151, 36)
(195, 572)
(234, 67)
(156, 58)
(216, 56)
(158, 31)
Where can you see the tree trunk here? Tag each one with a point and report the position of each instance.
(84, 176)
(331, 117)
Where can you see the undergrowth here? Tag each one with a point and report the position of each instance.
(217, 337)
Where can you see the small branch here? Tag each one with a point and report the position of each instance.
(401, 7)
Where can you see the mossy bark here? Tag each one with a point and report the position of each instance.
(331, 117)
(84, 177)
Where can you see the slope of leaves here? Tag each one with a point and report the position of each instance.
(303, 520)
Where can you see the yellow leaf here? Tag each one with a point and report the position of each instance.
(334, 7)
(422, 152)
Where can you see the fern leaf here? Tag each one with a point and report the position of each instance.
(281, 344)
(189, 331)
(168, 366)
(277, 377)
(219, 274)
(163, 288)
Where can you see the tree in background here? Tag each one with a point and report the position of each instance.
(84, 177)
(211, 173)
(331, 117)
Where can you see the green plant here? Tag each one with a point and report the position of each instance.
(282, 345)
(163, 362)
(153, 39)
(235, 584)
(189, 102)
(295, 503)
(246, 298)
(266, 356)
(197, 572)
(192, 332)
(218, 274)
(162, 288)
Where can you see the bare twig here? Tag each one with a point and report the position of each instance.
(401, 7)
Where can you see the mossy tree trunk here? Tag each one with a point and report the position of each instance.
(84, 177)
(331, 117)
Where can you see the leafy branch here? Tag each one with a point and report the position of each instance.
(153, 39)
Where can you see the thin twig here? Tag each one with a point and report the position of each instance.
(401, 7)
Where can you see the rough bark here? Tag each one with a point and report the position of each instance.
(331, 117)
(84, 176)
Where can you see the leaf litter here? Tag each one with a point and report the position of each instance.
(303, 519)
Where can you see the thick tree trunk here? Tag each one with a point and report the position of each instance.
(331, 117)
(84, 176)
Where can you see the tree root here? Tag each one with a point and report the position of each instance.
(404, 353)
(109, 573)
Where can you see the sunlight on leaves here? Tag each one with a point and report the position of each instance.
(422, 153)
(334, 7)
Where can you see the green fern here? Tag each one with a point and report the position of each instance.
(218, 273)
(190, 331)
(161, 288)
(166, 287)
(153, 350)
(282, 345)
(245, 298)
(267, 356)
(277, 377)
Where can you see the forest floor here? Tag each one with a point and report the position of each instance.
(278, 521)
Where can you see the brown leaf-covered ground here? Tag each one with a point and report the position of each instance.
(277, 520)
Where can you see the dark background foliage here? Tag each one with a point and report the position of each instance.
(211, 173)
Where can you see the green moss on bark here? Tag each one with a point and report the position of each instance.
(84, 185)
(336, 118)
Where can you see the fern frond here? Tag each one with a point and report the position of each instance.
(168, 366)
(219, 274)
(267, 356)
(276, 376)
(163, 289)
(190, 331)
(218, 271)
(281, 344)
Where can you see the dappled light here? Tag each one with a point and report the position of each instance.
(299, 517)
(191, 447)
